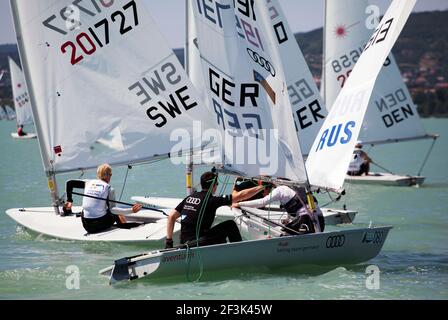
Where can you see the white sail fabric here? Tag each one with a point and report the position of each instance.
(22, 102)
(331, 152)
(95, 66)
(10, 113)
(391, 115)
(309, 110)
(246, 88)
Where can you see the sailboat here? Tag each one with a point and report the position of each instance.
(10, 113)
(325, 166)
(3, 115)
(308, 109)
(391, 116)
(24, 115)
(88, 79)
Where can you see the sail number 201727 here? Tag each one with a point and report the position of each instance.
(98, 35)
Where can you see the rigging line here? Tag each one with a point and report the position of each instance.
(381, 167)
(249, 213)
(198, 227)
(330, 202)
(427, 156)
(224, 185)
(124, 183)
(119, 202)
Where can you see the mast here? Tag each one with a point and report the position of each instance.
(189, 157)
(51, 176)
(324, 45)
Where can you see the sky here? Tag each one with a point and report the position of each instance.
(302, 15)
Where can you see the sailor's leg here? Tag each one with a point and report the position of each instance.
(224, 230)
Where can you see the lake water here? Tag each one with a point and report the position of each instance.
(413, 263)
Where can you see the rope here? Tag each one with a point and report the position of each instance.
(124, 183)
(119, 202)
(427, 156)
(379, 166)
(198, 228)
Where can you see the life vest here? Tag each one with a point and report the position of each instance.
(296, 203)
(356, 162)
(95, 208)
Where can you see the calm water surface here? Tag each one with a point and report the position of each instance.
(413, 262)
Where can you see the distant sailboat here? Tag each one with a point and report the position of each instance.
(10, 113)
(22, 104)
(112, 73)
(224, 54)
(3, 115)
(391, 115)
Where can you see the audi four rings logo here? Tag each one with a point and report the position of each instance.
(335, 241)
(262, 61)
(193, 200)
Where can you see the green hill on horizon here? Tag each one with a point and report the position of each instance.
(421, 53)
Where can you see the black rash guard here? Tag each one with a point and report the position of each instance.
(190, 208)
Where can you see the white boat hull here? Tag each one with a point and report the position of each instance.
(25, 137)
(44, 221)
(386, 179)
(332, 216)
(337, 248)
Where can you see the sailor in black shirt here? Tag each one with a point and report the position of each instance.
(197, 208)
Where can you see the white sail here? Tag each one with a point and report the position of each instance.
(22, 102)
(113, 140)
(248, 94)
(391, 115)
(95, 66)
(331, 152)
(309, 110)
(10, 113)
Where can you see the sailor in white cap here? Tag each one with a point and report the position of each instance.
(360, 163)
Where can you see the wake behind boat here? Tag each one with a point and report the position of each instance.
(28, 136)
(328, 249)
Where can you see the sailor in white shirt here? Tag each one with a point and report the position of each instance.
(98, 215)
(294, 202)
(360, 162)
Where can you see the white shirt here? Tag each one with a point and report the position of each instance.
(95, 208)
(356, 162)
(282, 194)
